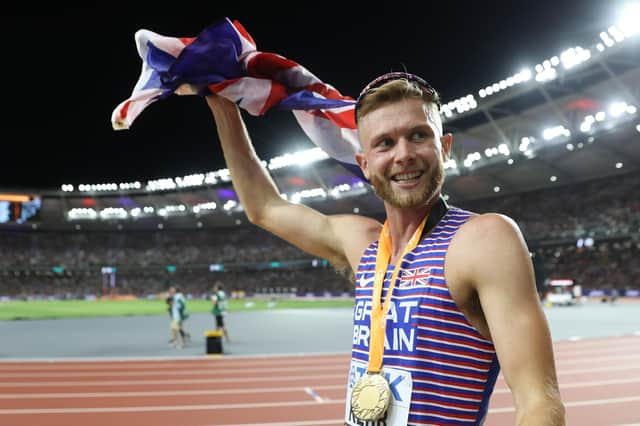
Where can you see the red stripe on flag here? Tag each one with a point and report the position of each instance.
(344, 120)
(277, 93)
(186, 40)
(268, 65)
(124, 110)
(244, 32)
(327, 91)
(218, 87)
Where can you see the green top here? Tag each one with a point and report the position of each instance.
(220, 303)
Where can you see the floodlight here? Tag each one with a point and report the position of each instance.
(630, 17)
(616, 109)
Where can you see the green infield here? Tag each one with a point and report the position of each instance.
(41, 309)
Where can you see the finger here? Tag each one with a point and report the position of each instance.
(185, 89)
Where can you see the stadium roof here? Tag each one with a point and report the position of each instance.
(572, 117)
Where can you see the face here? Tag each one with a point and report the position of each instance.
(403, 153)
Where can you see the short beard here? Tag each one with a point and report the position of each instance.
(383, 189)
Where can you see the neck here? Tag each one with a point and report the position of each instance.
(403, 222)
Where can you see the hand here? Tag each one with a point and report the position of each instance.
(212, 99)
(186, 89)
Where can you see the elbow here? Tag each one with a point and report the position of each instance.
(263, 214)
(550, 412)
(257, 216)
(562, 414)
(254, 217)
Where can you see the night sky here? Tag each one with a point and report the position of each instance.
(64, 74)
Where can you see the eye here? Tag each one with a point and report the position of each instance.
(421, 133)
(418, 135)
(384, 143)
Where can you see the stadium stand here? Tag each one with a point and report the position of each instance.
(555, 146)
(588, 231)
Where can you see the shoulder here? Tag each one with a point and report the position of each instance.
(488, 227)
(485, 239)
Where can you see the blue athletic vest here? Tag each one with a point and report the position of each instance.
(453, 367)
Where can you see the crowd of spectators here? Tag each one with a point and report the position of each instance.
(589, 232)
(606, 265)
(603, 208)
(74, 285)
(82, 250)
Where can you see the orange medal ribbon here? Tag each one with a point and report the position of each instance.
(379, 311)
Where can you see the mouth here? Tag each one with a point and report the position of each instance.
(407, 178)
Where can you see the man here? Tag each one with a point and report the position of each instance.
(178, 307)
(463, 301)
(219, 310)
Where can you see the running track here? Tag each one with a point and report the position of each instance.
(599, 381)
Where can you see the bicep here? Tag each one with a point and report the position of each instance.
(338, 238)
(505, 284)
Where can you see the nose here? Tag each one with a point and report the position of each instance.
(405, 151)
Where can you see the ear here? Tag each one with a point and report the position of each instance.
(362, 162)
(446, 140)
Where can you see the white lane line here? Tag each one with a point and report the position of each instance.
(223, 391)
(313, 395)
(596, 342)
(216, 371)
(171, 382)
(257, 371)
(125, 359)
(164, 408)
(119, 364)
(63, 364)
(302, 423)
(339, 377)
(563, 372)
(582, 384)
(262, 405)
(183, 372)
(602, 401)
(587, 359)
(607, 350)
(578, 403)
(209, 363)
(162, 393)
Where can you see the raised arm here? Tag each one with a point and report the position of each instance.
(501, 273)
(341, 238)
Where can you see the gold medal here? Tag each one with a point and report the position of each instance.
(370, 397)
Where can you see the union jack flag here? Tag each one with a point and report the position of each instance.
(415, 277)
(224, 59)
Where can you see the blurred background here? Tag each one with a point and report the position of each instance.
(543, 105)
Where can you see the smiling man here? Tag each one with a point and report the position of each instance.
(445, 298)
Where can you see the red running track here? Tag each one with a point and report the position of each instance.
(599, 381)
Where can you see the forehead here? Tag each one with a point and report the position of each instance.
(396, 117)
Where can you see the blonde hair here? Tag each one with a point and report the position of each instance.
(394, 91)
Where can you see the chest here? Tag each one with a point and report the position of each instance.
(427, 287)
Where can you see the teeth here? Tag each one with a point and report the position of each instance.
(407, 176)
